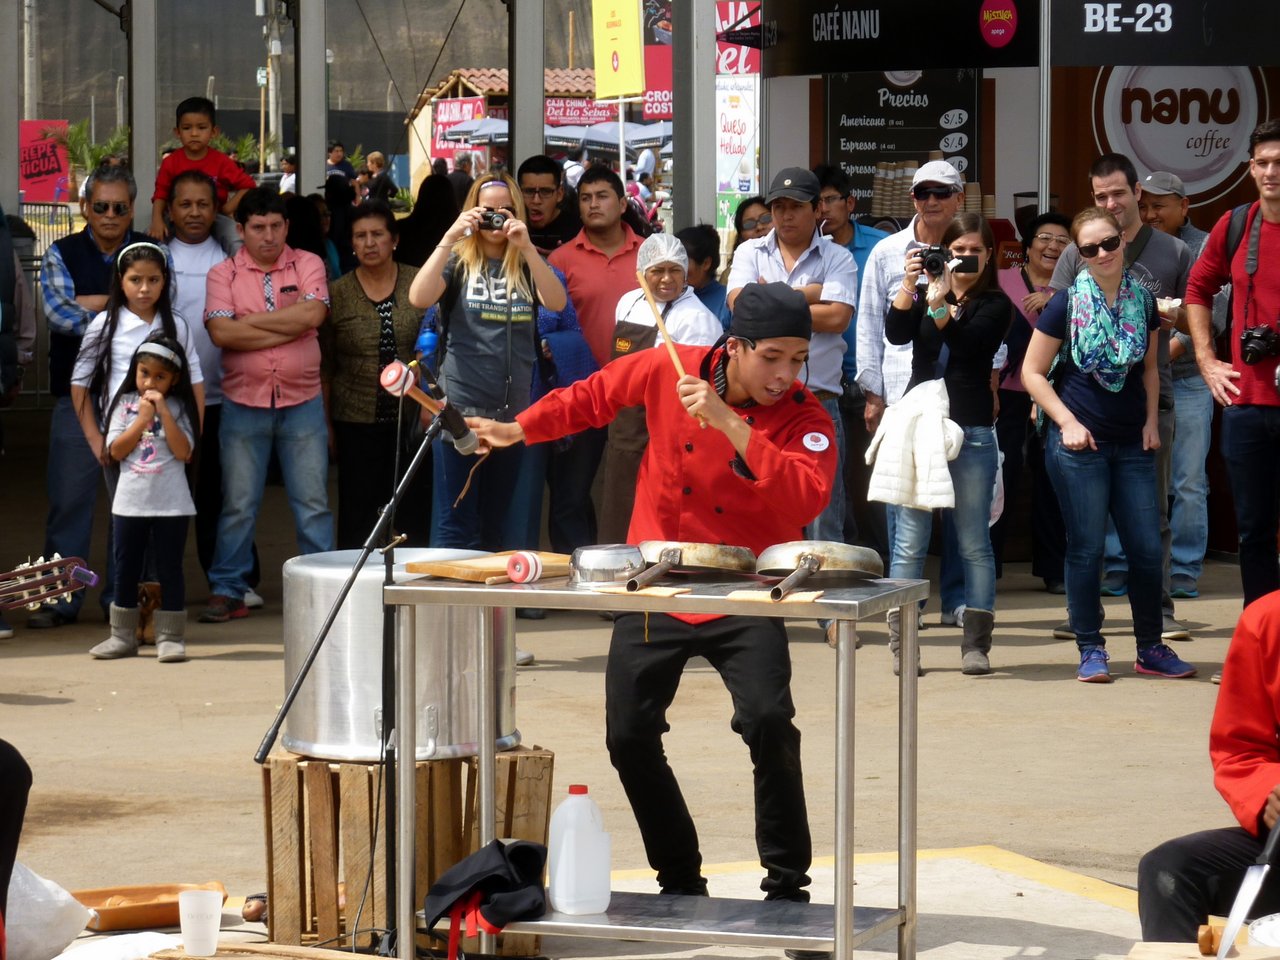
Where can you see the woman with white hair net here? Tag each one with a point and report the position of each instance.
(663, 261)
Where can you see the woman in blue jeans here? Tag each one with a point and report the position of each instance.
(1098, 336)
(955, 326)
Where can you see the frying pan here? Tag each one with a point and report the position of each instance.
(666, 555)
(801, 559)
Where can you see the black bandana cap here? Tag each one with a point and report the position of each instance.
(765, 310)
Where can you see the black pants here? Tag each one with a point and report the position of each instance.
(865, 523)
(646, 659)
(367, 478)
(1012, 427)
(167, 539)
(571, 516)
(15, 784)
(1048, 532)
(1183, 881)
(208, 494)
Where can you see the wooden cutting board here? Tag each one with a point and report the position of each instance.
(479, 569)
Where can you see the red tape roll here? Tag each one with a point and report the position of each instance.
(524, 566)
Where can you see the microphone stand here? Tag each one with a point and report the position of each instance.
(382, 528)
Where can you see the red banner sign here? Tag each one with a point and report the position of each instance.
(42, 164)
(449, 113)
(731, 57)
(566, 111)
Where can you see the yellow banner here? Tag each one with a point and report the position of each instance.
(619, 52)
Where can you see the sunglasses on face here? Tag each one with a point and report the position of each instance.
(764, 220)
(937, 193)
(1090, 250)
(100, 207)
(1047, 238)
(542, 193)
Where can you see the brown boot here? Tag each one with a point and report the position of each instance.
(895, 644)
(148, 603)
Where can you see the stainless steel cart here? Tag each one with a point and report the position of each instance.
(652, 917)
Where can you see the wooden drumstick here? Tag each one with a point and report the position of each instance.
(662, 327)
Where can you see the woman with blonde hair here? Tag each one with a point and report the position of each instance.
(485, 279)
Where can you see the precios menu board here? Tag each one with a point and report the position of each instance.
(901, 115)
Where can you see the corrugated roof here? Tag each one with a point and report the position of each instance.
(493, 81)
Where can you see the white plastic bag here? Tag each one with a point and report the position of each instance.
(42, 917)
(126, 946)
(997, 492)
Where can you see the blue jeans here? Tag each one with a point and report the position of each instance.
(72, 483)
(1115, 560)
(950, 569)
(1251, 447)
(973, 474)
(299, 436)
(479, 521)
(1189, 484)
(1117, 479)
(829, 524)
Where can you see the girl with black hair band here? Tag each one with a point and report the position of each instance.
(151, 433)
(138, 305)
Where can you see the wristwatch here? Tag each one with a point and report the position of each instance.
(936, 313)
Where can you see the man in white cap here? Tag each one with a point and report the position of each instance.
(796, 253)
(884, 369)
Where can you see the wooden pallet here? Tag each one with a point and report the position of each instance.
(324, 827)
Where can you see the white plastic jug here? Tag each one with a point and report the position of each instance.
(578, 856)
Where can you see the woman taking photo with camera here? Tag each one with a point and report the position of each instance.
(955, 325)
(486, 278)
(1096, 339)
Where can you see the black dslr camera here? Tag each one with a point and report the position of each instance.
(934, 259)
(1258, 343)
(493, 220)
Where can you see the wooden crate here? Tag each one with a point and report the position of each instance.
(324, 825)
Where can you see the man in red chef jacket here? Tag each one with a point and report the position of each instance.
(1183, 881)
(739, 454)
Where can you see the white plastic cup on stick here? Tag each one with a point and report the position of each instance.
(200, 915)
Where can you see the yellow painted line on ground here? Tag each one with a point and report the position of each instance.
(1006, 861)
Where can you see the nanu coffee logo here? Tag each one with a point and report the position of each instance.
(1191, 121)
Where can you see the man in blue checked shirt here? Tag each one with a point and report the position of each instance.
(74, 279)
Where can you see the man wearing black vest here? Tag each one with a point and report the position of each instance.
(74, 279)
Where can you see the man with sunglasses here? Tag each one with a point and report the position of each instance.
(552, 223)
(1161, 263)
(75, 277)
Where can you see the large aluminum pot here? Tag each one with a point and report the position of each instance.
(338, 712)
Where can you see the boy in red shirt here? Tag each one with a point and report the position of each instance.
(197, 125)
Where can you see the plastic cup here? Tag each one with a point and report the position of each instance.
(200, 915)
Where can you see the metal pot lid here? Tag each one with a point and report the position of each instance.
(610, 563)
(705, 556)
(833, 556)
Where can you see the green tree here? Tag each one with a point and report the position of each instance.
(83, 153)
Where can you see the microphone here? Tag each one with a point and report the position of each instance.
(397, 379)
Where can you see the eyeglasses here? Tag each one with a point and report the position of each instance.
(764, 220)
(832, 198)
(938, 193)
(542, 193)
(1054, 238)
(100, 207)
(1090, 250)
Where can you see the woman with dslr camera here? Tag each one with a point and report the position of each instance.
(955, 326)
(485, 280)
(1091, 368)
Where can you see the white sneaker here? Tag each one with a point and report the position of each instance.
(955, 618)
(523, 657)
(252, 599)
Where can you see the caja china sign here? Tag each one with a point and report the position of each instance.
(1191, 121)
